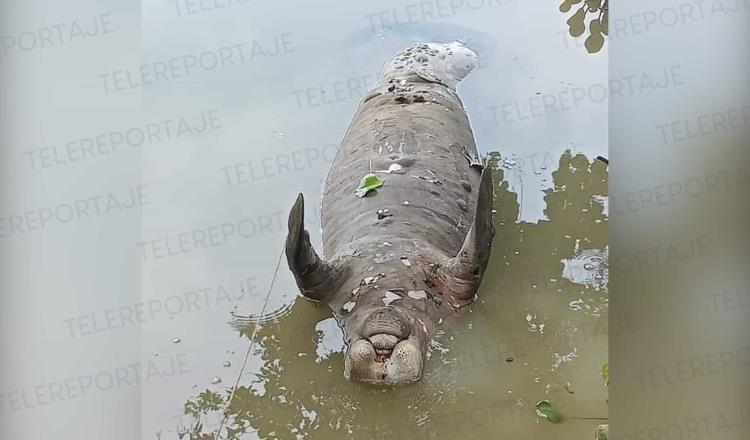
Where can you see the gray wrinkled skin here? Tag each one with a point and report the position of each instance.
(390, 277)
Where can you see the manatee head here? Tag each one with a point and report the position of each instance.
(387, 346)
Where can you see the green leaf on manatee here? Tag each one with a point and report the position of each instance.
(545, 409)
(368, 183)
(602, 432)
(605, 372)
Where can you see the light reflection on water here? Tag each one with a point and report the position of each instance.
(533, 334)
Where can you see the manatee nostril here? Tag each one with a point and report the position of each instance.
(387, 321)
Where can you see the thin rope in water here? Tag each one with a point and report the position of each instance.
(250, 347)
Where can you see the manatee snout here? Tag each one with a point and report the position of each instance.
(387, 320)
(401, 364)
(387, 353)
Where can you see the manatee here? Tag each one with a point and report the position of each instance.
(399, 260)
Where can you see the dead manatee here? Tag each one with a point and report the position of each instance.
(399, 260)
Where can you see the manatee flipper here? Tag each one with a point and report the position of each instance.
(464, 272)
(315, 278)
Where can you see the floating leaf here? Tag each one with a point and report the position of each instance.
(602, 432)
(368, 183)
(545, 409)
(605, 372)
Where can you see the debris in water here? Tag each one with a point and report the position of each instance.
(568, 388)
(577, 305)
(176, 340)
(406, 261)
(226, 364)
(216, 380)
(545, 409)
(509, 163)
(602, 432)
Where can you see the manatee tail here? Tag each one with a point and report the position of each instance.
(445, 63)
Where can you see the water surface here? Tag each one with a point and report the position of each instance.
(537, 331)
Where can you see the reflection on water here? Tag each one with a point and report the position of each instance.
(538, 331)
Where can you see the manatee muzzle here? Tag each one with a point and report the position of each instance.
(386, 354)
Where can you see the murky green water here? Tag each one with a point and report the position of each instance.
(538, 331)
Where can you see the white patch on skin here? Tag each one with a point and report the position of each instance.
(355, 291)
(424, 327)
(417, 294)
(406, 261)
(349, 306)
(389, 297)
(371, 280)
(394, 168)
